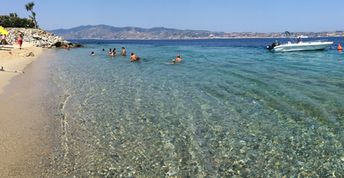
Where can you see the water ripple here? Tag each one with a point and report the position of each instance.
(224, 112)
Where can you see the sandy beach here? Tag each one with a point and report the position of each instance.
(14, 60)
(25, 126)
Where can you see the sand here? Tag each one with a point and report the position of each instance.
(26, 126)
(14, 60)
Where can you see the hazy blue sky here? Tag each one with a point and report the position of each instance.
(215, 15)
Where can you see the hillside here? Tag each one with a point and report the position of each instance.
(106, 32)
(109, 32)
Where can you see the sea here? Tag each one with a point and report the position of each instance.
(231, 108)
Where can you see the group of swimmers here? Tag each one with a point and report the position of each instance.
(113, 52)
(133, 56)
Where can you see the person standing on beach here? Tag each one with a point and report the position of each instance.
(124, 51)
(20, 39)
(3, 40)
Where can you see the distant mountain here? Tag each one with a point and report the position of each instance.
(106, 32)
(110, 32)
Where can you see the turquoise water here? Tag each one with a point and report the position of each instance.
(226, 110)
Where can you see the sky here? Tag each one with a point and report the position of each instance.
(213, 15)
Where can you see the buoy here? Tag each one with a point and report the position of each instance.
(340, 48)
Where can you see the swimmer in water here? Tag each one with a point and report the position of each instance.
(114, 52)
(124, 51)
(134, 57)
(178, 59)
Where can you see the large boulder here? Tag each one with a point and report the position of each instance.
(39, 38)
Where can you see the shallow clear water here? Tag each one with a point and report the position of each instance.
(231, 108)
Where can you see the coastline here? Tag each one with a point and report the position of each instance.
(15, 60)
(28, 132)
(29, 105)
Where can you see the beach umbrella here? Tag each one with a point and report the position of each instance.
(3, 31)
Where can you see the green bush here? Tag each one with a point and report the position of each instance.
(12, 20)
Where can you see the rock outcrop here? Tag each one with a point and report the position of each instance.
(39, 38)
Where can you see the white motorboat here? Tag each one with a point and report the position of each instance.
(299, 46)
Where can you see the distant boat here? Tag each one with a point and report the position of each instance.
(299, 46)
(303, 36)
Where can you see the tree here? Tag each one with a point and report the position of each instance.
(13, 15)
(29, 7)
(13, 20)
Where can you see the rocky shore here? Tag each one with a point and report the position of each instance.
(39, 38)
(13, 60)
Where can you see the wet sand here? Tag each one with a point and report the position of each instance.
(27, 125)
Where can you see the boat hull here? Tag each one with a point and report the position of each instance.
(303, 46)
